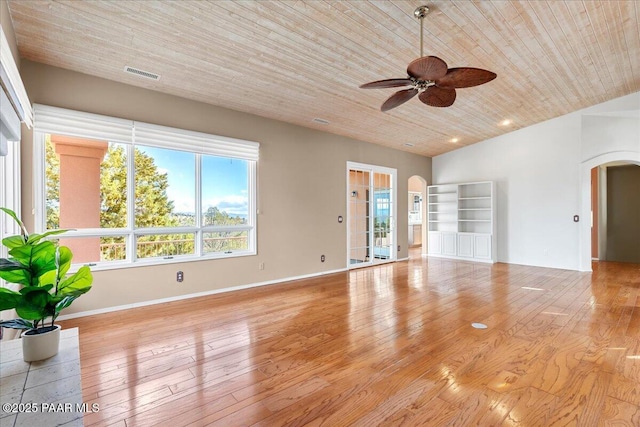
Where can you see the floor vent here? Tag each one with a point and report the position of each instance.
(141, 73)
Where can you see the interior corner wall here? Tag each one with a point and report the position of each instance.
(301, 188)
(537, 171)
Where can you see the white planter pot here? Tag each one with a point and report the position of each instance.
(40, 346)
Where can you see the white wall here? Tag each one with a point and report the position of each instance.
(539, 174)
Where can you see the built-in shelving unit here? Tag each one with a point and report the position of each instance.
(461, 220)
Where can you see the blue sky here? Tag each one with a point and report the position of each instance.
(224, 181)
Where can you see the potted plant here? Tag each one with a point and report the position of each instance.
(40, 267)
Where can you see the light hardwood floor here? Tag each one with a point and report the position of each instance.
(387, 345)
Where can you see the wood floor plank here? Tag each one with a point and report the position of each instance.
(619, 413)
(389, 345)
(534, 408)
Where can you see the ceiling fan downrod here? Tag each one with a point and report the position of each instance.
(420, 13)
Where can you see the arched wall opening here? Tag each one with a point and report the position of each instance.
(417, 232)
(585, 186)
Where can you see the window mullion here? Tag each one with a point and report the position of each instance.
(199, 235)
(253, 206)
(131, 201)
(39, 181)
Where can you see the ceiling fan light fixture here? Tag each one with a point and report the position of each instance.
(430, 78)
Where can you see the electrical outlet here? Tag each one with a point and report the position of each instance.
(261, 266)
(180, 276)
(321, 258)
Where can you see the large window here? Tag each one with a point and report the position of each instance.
(133, 193)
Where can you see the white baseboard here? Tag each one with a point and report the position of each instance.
(194, 295)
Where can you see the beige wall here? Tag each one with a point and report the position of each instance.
(7, 28)
(301, 187)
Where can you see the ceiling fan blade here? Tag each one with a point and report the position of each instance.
(427, 68)
(381, 84)
(465, 77)
(398, 98)
(438, 97)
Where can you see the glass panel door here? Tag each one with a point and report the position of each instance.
(371, 202)
(359, 218)
(383, 239)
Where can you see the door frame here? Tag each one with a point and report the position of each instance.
(372, 169)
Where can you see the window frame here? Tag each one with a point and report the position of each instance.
(53, 120)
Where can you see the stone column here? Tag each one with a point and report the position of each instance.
(80, 191)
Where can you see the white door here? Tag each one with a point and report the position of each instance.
(371, 203)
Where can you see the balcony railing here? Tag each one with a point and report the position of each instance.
(169, 247)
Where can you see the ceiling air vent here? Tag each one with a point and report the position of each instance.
(141, 73)
(320, 121)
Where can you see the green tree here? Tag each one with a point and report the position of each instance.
(214, 216)
(113, 188)
(223, 241)
(152, 205)
(52, 177)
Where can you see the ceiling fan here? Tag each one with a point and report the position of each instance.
(430, 77)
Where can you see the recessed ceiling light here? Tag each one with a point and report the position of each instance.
(408, 144)
(454, 140)
(320, 121)
(505, 122)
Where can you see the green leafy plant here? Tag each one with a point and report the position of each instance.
(41, 267)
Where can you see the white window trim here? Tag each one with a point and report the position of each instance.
(53, 120)
(17, 92)
(9, 191)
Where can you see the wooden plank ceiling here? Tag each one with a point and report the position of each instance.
(299, 60)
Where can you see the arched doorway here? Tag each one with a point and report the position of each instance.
(417, 231)
(585, 210)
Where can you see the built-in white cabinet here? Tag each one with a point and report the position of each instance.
(449, 243)
(461, 221)
(435, 242)
(465, 245)
(482, 247)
